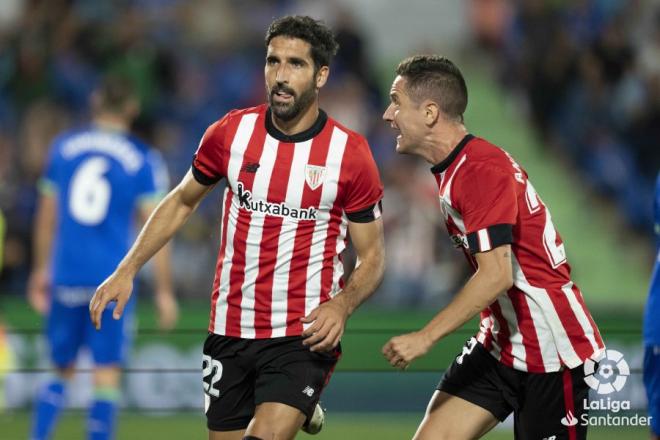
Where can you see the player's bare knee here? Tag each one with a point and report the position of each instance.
(107, 377)
(66, 373)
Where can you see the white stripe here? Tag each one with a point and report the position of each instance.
(338, 266)
(550, 319)
(484, 328)
(287, 239)
(377, 211)
(484, 240)
(446, 193)
(328, 196)
(515, 337)
(253, 242)
(237, 149)
(580, 315)
(220, 325)
(548, 350)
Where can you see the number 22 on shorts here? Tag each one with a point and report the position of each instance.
(211, 374)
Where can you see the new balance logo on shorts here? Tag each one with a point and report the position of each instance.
(275, 209)
(309, 391)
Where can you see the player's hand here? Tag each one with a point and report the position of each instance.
(37, 292)
(400, 351)
(117, 287)
(168, 309)
(327, 329)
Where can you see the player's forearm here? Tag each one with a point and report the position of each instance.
(44, 230)
(162, 272)
(364, 280)
(163, 223)
(477, 294)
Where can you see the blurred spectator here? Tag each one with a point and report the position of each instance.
(589, 74)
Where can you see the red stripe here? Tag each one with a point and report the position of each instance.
(503, 335)
(237, 274)
(221, 257)
(327, 273)
(225, 144)
(571, 325)
(530, 339)
(297, 292)
(568, 401)
(277, 189)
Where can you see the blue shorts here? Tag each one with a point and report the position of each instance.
(69, 328)
(652, 384)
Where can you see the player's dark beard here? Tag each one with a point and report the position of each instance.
(287, 112)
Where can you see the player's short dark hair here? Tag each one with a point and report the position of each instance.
(115, 92)
(315, 32)
(437, 78)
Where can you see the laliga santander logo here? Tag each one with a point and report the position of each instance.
(612, 373)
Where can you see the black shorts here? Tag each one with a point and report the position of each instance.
(239, 374)
(544, 404)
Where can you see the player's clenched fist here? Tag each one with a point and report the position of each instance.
(400, 351)
(117, 287)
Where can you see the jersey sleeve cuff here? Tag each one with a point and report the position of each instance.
(202, 178)
(368, 214)
(489, 238)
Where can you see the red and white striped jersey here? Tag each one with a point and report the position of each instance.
(285, 215)
(541, 323)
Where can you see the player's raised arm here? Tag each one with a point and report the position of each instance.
(170, 214)
(329, 319)
(493, 277)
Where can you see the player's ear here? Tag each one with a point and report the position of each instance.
(322, 76)
(431, 112)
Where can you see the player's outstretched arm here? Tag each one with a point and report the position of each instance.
(329, 319)
(164, 297)
(43, 233)
(170, 214)
(494, 276)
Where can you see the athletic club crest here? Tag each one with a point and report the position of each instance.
(314, 176)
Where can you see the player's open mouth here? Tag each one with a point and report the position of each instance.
(282, 97)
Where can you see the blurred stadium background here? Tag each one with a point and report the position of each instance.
(570, 88)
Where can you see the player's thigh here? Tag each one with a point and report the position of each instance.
(652, 385)
(227, 435)
(289, 373)
(228, 377)
(553, 406)
(111, 344)
(65, 332)
(274, 420)
(450, 417)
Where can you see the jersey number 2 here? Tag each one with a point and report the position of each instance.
(211, 374)
(89, 195)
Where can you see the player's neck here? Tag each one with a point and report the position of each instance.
(110, 122)
(442, 141)
(298, 124)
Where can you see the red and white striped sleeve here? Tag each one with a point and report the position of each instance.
(209, 162)
(487, 199)
(364, 189)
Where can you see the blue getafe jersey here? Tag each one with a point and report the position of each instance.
(99, 178)
(652, 312)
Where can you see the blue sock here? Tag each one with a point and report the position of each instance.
(48, 407)
(103, 414)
